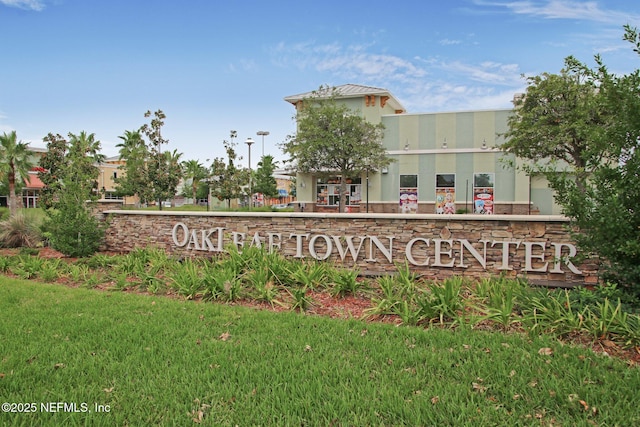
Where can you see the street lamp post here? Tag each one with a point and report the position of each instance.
(262, 133)
(250, 141)
(367, 189)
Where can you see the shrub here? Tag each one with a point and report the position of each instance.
(584, 296)
(20, 231)
(74, 231)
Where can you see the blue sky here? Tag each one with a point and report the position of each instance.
(213, 66)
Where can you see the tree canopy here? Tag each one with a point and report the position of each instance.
(164, 169)
(14, 165)
(150, 173)
(135, 180)
(332, 139)
(194, 172)
(265, 183)
(70, 174)
(227, 179)
(580, 129)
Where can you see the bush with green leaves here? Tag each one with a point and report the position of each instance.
(73, 230)
(590, 296)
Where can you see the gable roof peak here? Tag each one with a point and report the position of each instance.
(350, 90)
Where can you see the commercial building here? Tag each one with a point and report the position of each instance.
(444, 163)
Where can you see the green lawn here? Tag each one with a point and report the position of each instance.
(154, 360)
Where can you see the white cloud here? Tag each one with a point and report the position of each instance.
(448, 42)
(422, 84)
(350, 62)
(36, 5)
(564, 9)
(443, 96)
(379, 66)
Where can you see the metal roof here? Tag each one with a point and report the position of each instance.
(350, 91)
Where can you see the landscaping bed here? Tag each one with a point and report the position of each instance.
(359, 298)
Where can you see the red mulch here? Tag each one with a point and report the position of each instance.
(353, 307)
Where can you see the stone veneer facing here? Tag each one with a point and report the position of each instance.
(434, 246)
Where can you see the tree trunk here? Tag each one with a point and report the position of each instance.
(343, 195)
(194, 190)
(13, 200)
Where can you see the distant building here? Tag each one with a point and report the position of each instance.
(443, 163)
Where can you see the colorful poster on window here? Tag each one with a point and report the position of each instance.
(483, 200)
(445, 200)
(409, 200)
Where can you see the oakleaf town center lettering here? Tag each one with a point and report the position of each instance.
(419, 251)
(537, 248)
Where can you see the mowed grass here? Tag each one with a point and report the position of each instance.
(153, 360)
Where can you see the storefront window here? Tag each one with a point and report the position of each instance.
(30, 198)
(110, 195)
(446, 193)
(483, 185)
(409, 193)
(328, 192)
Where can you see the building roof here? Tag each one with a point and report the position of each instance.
(351, 91)
(33, 182)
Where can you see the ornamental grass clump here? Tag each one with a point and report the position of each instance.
(186, 279)
(27, 266)
(50, 271)
(499, 298)
(312, 275)
(20, 230)
(383, 301)
(5, 263)
(300, 299)
(346, 282)
(545, 311)
(262, 286)
(446, 297)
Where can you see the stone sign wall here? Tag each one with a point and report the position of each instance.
(435, 246)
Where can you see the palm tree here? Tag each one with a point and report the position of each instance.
(86, 149)
(15, 163)
(131, 145)
(196, 172)
(135, 179)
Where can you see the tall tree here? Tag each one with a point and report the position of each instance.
(559, 125)
(226, 178)
(51, 168)
(581, 130)
(14, 165)
(163, 168)
(170, 179)
(84, 149)
(332, 139)
(265, 182)
(195, 172)
(70, 173)
(135, 179)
